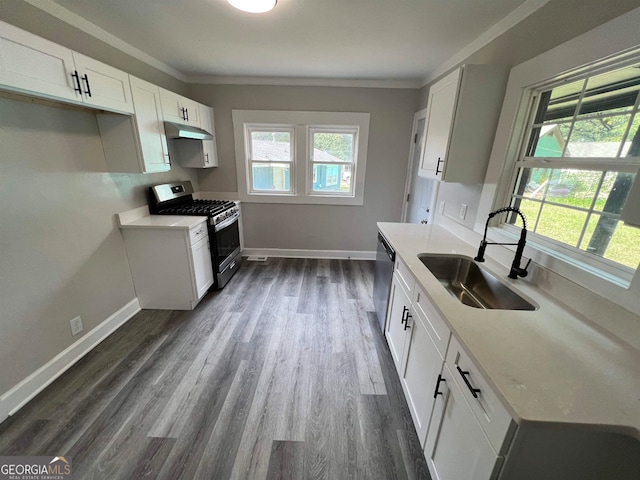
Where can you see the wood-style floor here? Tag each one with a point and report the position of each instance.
(283, 374)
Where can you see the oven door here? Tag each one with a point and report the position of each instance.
(227, 242)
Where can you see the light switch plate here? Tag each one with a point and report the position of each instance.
(463, 212)
(76, 325)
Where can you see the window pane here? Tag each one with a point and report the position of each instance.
(529, 208)
(331, 177)
(271, 146)
(573, 187)
(616, 90)
(273, 177)
(333, 147)
(562, 224)
(551, 139)
(610, 238)
(597, 137)
(533, 182)
(631, 147)
(563, 101)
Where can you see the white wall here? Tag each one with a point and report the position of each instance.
(318, 227)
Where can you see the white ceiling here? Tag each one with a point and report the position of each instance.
(407, 41)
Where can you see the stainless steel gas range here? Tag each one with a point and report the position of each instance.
(224, 233)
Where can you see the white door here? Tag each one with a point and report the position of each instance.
(103, 86)
(456, 447)
(420, 374)
(191, 111)
(148, 120)
(396, 333)
(32, 64)
(172, 110)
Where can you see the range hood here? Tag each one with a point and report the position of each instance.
(175, 130)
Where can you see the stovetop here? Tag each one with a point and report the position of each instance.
(197, 207)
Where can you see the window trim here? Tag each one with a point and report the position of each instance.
(584, 54)
(302, 165)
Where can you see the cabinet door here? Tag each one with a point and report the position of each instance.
(209, 151)
(396, 333)
(150, 129)
(191, 111)
(456, 447)
(172, 110)
(419, 376)
(441, 108)
(103, 86)
(202, 269)
(34, 65)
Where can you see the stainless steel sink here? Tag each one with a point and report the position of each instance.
(471, 284)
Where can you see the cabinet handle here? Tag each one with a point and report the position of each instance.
(206, 158)
(463, 374)
(405, 310)
(438, 392)
(406, 322)
(438, 171)
(182, 114)
(76, 82)
(85, 79)
(187, 114)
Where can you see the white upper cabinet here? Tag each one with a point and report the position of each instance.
(462, 116)
(137, 143)
(179, 109)
(198, 153)
(103, 86)
(35, 66)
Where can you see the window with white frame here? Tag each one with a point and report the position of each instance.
(578, 162)
(301, 157)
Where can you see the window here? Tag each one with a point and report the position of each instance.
(301, 157)
(579, 162)
(332, 159)
(270, 157)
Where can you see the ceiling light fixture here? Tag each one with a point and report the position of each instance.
(253, 6)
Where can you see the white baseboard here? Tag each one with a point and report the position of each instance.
(14, 399)
(299, 253)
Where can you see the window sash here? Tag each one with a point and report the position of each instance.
(252, 161)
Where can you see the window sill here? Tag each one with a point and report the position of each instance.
(568, 265)
(301, 199)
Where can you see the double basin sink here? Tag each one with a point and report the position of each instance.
(473, 285)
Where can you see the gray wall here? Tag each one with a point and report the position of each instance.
(62, 254)
(553, 24)
(318, 227)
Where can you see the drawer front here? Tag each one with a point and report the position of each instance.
(404, 277)
(433, 322)
(198, 233)
(486, 406)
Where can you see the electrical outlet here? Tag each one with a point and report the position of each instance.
(441, 209)
(463, 211)
(76, 325)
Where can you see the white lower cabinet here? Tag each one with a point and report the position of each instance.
(420, 373)
(460, 422)
(456, 446)
(171, 267)
(397, 331)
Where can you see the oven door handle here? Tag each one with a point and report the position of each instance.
(226, 223)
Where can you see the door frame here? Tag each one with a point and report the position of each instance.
(407, 184)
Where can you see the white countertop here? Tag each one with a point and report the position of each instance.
(140, 218)
(548, 365)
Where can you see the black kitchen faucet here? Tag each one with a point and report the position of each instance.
(516, 271)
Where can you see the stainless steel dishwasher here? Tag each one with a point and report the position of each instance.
(385, 259)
